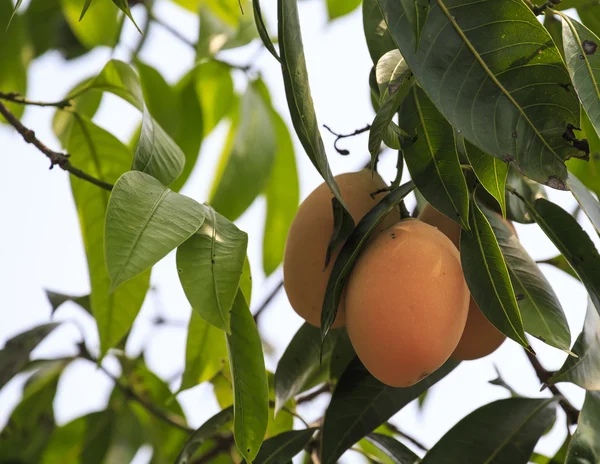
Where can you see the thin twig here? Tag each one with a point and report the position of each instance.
(170, 29)
(56, 158)
(326, 388)
(21, 100)
(543, 375)
(343, 151)
(404, 435)
(268, 300)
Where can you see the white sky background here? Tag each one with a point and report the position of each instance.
(41, 247)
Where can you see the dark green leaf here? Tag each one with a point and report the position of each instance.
(13, 71)
(490, 171)
(14, 357)
(395, 450)
(585, 444)
(210, 265)
(100, 25)
(542, 313)
(343, 353)
(379, 40)
(361, 403)
(247, 160)
(263, 31)
(46, 26)
(301, 366)
(126, 439)
(572, 241)
(205, 352)
(488, 278)
(554, 27)
(282, 194)
(560, 262)
(283, 447)
(338, 8)
(416, 11)
(432, 159)
(350, 251)
(586, 200)
(507, 97)
(583, 370)
(58, 299)
(515, 209)
(300, 103)
(144, 222)
(206, 430)
(250, 387)
(501, 432)
(103, 156)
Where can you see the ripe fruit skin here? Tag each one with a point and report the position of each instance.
(406, 303)
(304, 279)
(480, 337)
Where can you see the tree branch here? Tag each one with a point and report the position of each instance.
(20, 99)
(543, 375)
(268, 300)
(343, 151)
(326, 388)
(56, 158)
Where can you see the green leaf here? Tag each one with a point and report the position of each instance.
(17, 6)
(124, 7)
(432, 159)
(488, 278)
(206, 431)
(542, 313)
(360, 404)
(14, 357)
(58, 299)
(560, 262)
(263, 32)
(205, 352)
(301, 365)
(490, 171)
(144, 222)
(395, 81)
(515, 209)
(379, 40)
(223, 31)
(99, 27)
(339, 8)
(571, 240)
(214, 88)
(302, 111)
(247, 159)
(103, 156)
(580, 55)
(506, 96)
(282, 193)
(585, 445)
(416, 11)
(283, 447)
(588, 172)
(83, 440)
(351, 250)
(13, 56)
(246, 281)
(502, 431)
(554, 27)
(210, 264)
(343, 353)
(31, 423)
(250, 387)
(127, 436)
(392, 448)
(586, 200)
(583, 370)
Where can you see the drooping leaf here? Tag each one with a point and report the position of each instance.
(583, 370)
(392, 448)
(103, 156)
(571, 240)
(301, 366)
(99, 26)
(13, 72)
(432, 159)
(248, 157)
(124, 7)
(350, 251)
(379, 40)
(585, 444)
(503, 431)
(246, 281)
(283, 447)
(250, 387)
(416, 11)
(339, 8)
(58, 299)
(205, 352)
(360, 404)
(145, 221)
(560, 262)
(206, 430)
(542, 313)
(490, 171)
(488, 278)
(210, 264)
(586, 200)
(14, 357)
(282, 193)
(302, 111)
(263, 32)
(507, 97)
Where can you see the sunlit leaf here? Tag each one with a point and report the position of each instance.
(13, 71)
(214, 88)
(338, 8)
(124, 7)
(99, 26)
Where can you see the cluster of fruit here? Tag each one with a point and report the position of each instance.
(406, 305)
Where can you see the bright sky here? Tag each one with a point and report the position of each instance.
(41, 247)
